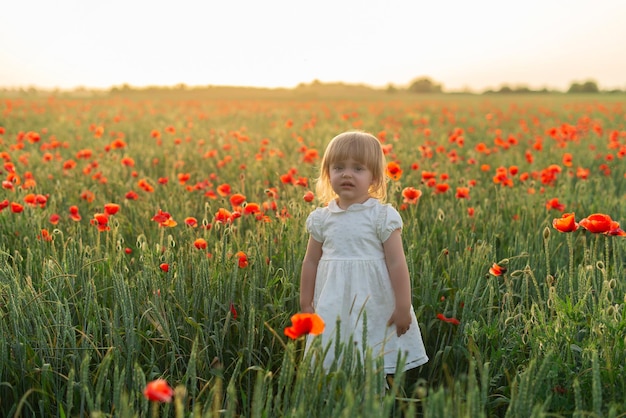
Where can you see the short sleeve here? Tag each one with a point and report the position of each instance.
(389, 221)
(313, 226)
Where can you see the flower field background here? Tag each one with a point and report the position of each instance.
(161, 238)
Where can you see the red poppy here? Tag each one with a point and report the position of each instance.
(252, 209)
(502, 177)
(98, 132)
(616, 230)
(41, 200)
(497, 270)
(286, 178)
(128, 162)
(308, 196)
(223, 216)
(191, 221)
(54, 219)
(84, 154)
(183, 177)
(74, 213)
(101, 220)
(582, 173)
(555, 204)
(567, 159)
(200, 243)
(394, 171)
(13, 178)
(411, 195)
(158, 391)
(441, 188)
(164, 219)
(272, 193)
(462, 193)
(242, 259)
(117, 144)
(550, 174)
(233, 311)
(145, 186)
(223, 189)
(267, 206)
(237, 199)
(303, 324)
(301, 181)
(452, 321)
(88, 196)
(310, 156)
(566, 223)
(45, 235)
(69, 164)
(111, 208)
(598, 223)
(30, 199)
(165, 267)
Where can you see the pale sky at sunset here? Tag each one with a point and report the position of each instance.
(281, 43)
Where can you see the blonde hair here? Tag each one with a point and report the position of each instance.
(362, 147)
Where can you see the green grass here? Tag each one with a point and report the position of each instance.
(85, 325)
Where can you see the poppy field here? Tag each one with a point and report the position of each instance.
(150, 252)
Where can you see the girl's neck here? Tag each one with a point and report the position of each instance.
(346, 204)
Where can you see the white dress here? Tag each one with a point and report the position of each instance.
(353, 281)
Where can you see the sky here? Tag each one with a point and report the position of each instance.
(461, 44)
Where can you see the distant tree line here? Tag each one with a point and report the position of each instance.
(425, 85)
(316, 88)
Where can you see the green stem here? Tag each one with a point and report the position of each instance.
(570, 245)
(607, 257)
(546, 241)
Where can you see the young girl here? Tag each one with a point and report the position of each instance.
(354, 266)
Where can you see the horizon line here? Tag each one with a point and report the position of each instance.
(313, 83)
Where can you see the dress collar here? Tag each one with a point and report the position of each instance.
(334, 207)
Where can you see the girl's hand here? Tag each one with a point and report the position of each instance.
(402, 321)
(400, 282)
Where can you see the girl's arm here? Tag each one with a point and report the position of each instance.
(400, 282)
(308, 273)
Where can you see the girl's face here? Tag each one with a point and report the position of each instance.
(351, 181)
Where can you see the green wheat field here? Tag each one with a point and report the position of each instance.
(162, 237)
